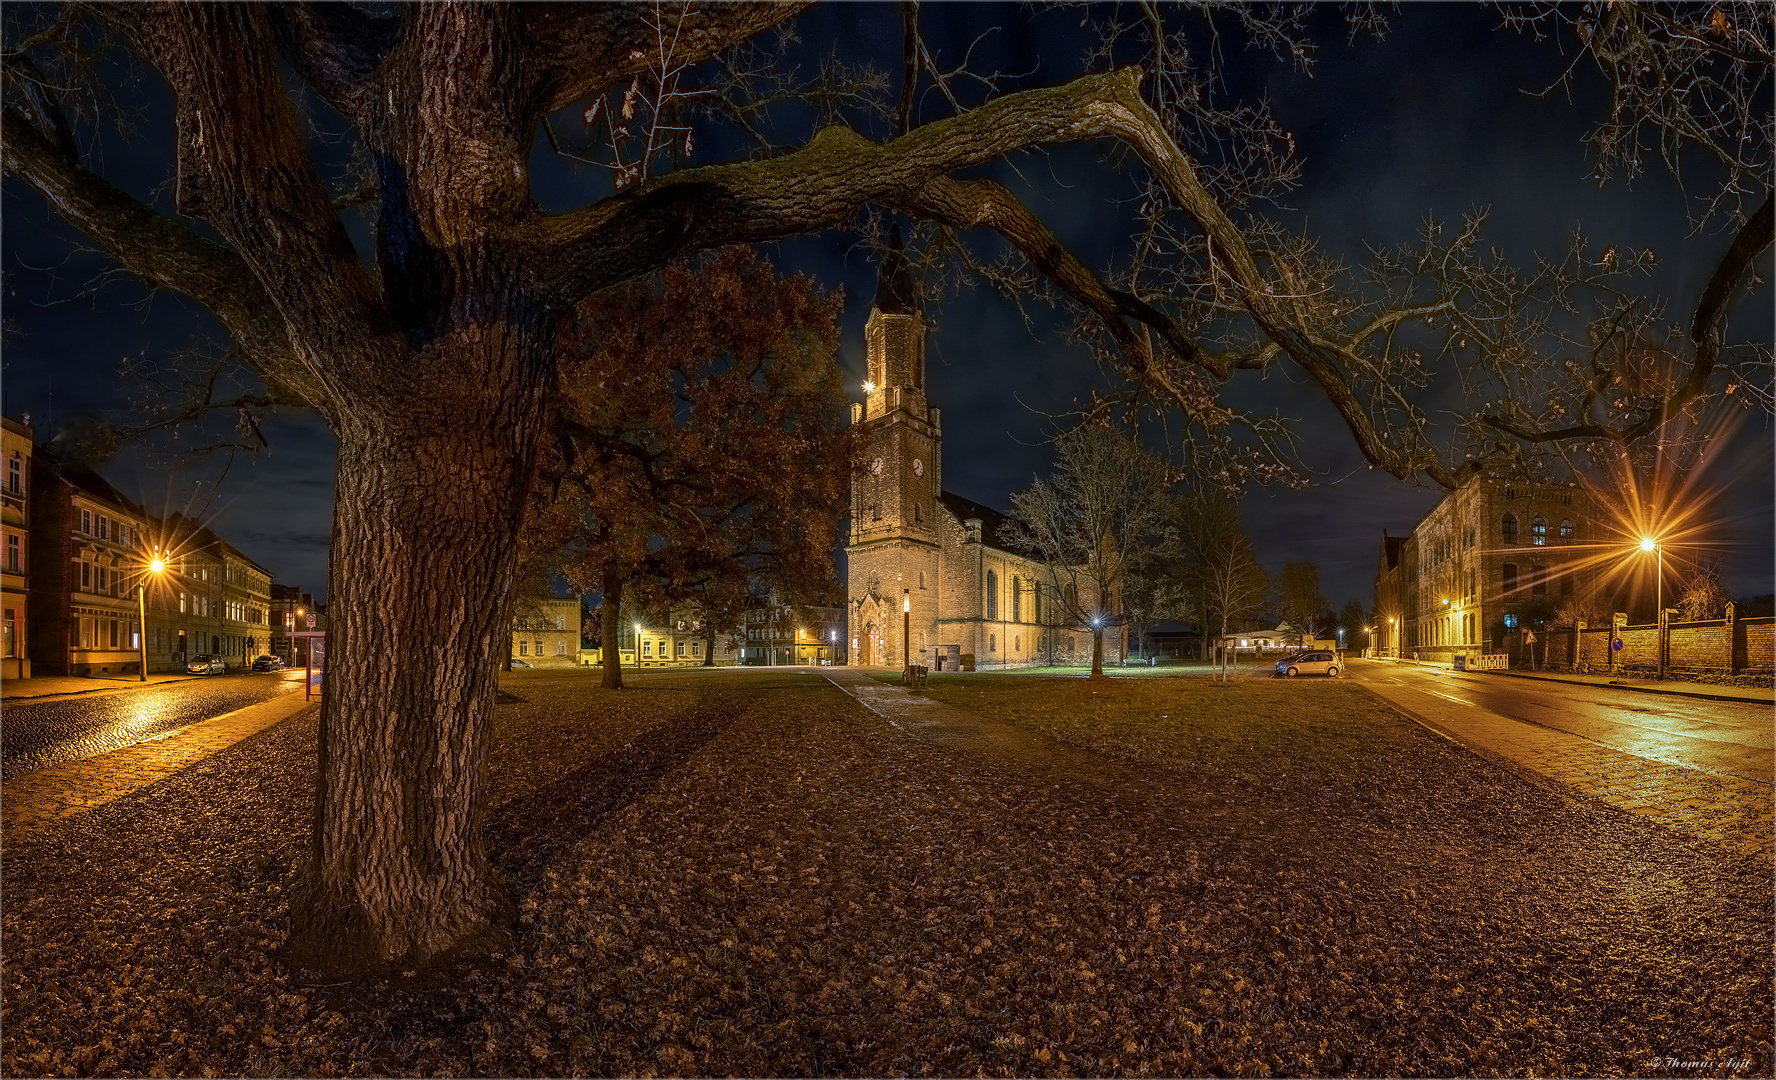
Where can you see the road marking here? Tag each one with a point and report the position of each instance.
(1446, 697)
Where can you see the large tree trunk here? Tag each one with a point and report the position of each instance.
(424, 551)
(1097, 652)
(612, 623)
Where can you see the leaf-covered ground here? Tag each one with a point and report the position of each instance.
(747, 873)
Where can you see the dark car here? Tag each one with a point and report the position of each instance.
(269, 663)
(205, 664)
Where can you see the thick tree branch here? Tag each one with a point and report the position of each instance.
(576, 49)
(336, 48)
(161, 251)
(244, 168)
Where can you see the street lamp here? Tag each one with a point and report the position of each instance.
(155, 565)
(906, 627)
(1647, 543)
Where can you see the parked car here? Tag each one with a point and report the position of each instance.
(517, 663)
(1309, 663)
(269, 663)
(205, 664)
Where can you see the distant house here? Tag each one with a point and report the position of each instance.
(1280, 639)
(547, 634)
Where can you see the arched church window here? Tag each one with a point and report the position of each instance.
(1508, 529)
(1017, 643)
(921, 579)
(992, 642)
(992, 594)
(1566, 530)
(1017, 599)
(1538, 531)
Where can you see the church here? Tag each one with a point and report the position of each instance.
(924, 564)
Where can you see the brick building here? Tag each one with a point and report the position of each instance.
(15, 560)
(1493, 550)
(916, 549)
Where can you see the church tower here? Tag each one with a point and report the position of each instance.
(893, 556)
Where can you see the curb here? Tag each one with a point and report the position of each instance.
(97, 689)
(1704, 695)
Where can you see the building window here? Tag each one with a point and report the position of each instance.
(86, 572)
(561, 647)
(876, 511)
(992, 594)
(1508, 529)
(1510, 577)
(992, 642)
(1538, 580)
(15, 480)
(680, 650)
(539, 646)
(11, 644)
(1510, 493)
(647, 648)
(917, 515)
(86, 522)
(1510, 622)
(113, 632)
(1538, 531)
(921, 579)
(1017, 643)
(100, 575)
(1566, 530)
(696, 648)
(1017, 599)
(104, 527)
(524, 648)
(12, 556)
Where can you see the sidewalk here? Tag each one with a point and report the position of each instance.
(56, 685)
(1751, 694)
(60, 791)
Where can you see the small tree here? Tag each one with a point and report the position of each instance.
(1299, 601)
(1234, 583)
(1097, 522)
(1703, 596)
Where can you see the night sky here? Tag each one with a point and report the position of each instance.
(1438, 118)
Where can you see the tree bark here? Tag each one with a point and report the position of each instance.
(611, 622)
(423, 558)
(1097, 652)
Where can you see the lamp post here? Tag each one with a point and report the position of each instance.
(155, 565)
(1368, 639)
(906, 627)
(1647, 543)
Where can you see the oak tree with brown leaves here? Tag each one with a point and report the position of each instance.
(700, 457)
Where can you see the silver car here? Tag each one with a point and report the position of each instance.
(1309, 663)
(205, 664)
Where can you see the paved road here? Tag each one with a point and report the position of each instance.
(35, 734)
(1725, 738)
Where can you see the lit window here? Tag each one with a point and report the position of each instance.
(1511, 621)
(1538, 531)
(1566, 530)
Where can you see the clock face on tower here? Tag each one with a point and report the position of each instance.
(918, 467)
(876, 467)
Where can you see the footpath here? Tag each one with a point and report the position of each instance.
(1729, 812)
(1758, 695)
(60, 791)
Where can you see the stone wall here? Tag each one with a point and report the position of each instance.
(1729, 646)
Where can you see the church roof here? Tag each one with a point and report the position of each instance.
(1390, 548)
(895, 294)
(993, 523)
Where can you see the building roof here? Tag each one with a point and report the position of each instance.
(84, 479)
(1391, 547)
(895, 294)
(994, 523)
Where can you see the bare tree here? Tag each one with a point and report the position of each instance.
(1299, 600)
(1703, 596)
(1234, 584)
(1098, 520)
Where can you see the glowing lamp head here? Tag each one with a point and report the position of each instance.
(638, 628)
(869, 386)
(906, 602)
(157, 566)
(1647, 543)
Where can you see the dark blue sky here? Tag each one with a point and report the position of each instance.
(1435, 119)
